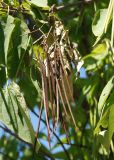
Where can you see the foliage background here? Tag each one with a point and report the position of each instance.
(91, 26)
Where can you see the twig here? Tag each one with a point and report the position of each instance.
(37, 132)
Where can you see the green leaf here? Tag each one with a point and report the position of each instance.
(109, 14)
(99, 22)
(94, 59)
(24, 35)
(18, 46)
(90, 88)
(14, 50)
(102, 122)
(104, 119)
(110, 105)
(15, 114)
(111, 122)
(103, 138)
(14, 42)
(30, 91)
(107, 121)
(40, 3)
(2, 57)
(9, 27)
(99, 52)
(105, 94)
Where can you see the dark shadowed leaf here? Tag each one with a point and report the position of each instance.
(2, 56)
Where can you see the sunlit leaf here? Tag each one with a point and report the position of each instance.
(99, 52)
(99, 22)
(40, 3)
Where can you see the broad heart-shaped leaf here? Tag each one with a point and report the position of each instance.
(39, 3)
(99, 22)
(14, 113)
(105, 93)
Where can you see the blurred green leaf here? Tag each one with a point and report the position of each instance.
(90, 88)
(99, 52)
(105, 94)
(21, 24)
(107, 122)
(95, 58)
